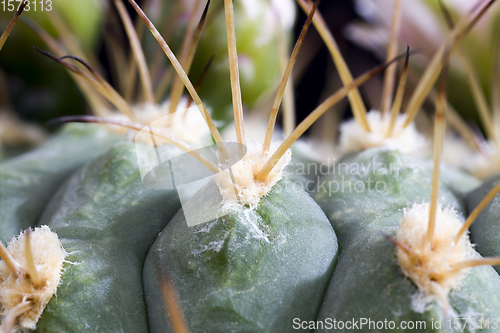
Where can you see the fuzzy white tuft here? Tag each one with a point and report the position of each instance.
(430, 267)
(249, 190)
(48, 256)
(255, 129)
(354, 138)
(186, 124)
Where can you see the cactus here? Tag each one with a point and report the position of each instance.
(28, 181)
(261, 254)
(251, 269)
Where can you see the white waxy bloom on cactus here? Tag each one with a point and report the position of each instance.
(424, 26)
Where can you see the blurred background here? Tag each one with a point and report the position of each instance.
(37, 89)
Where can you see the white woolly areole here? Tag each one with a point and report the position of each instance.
(480, 164)
(48, 256)
(430, 268)
(484, 163)
(255, 129)
(186, 124)
(456, 151)
(354, 138)
(249, 190)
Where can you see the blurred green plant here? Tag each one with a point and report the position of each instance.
(38, 90)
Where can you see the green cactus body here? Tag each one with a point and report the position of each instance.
(28, 181)
(485, 231)
(368, 268)
(106, 220)
(304, 167)
(252, 270)
(459, 182)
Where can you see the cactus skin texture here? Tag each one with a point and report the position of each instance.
(28, 181)
(106, 219)
(248, 271)
(485, 231)
(367, 281)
